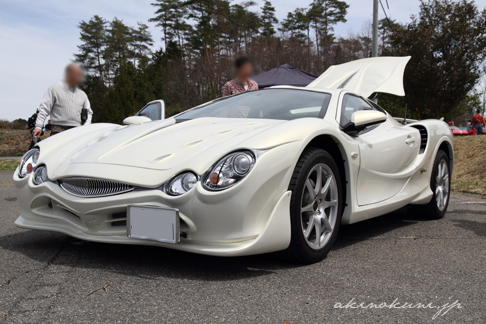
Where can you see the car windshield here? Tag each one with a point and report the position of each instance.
(284, 104)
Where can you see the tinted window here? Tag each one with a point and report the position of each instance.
(267, 104)
(151, 111)
(352, 104)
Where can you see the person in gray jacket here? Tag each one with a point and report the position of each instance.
(64, 102)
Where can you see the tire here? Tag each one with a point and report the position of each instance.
(322, 212)
(440, 187)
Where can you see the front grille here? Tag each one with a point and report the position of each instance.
(89, 187)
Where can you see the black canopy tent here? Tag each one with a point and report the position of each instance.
(284, 75)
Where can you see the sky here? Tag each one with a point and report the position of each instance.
(39, 37)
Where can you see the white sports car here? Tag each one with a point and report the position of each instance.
(263, 171)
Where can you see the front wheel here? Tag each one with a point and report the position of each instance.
(316, 206)
(440, 183)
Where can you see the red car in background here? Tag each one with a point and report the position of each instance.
(456, 131)
(471, 132)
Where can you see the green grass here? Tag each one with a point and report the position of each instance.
(9, 165)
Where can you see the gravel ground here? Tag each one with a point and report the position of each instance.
(45, 277)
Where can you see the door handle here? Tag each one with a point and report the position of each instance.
(410, 141)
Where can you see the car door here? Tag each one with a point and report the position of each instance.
(386, 153)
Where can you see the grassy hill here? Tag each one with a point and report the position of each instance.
(15, 142)
(470, 164)
(469, 169)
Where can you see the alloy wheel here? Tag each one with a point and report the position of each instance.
(319, 208)
(442, 185)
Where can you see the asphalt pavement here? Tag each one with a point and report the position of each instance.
(394, 260)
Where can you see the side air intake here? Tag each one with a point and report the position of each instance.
(423, 137)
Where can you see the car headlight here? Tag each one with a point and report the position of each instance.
(229, 170)
(40, 175)
(181, 184)
(28, 161)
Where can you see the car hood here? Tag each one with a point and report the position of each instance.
(160, 145)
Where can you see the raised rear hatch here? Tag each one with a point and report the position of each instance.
(366, 76)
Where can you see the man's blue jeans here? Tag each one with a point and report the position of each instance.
(479, 129)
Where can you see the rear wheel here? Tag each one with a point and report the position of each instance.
(440, 183)
(316, 206)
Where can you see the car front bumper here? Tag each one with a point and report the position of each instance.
(275, 235)
(236, 222)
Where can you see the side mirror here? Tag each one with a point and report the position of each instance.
(362, 119)
(133, 120)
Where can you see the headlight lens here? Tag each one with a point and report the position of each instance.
(229, 170)
(28, 161)
(40, 175)
(181, 184)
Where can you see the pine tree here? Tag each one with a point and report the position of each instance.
(204, 36)
(141, 43)
(298, 23)
(93, 38)
(268, 19)
(251, 22)
(118, 52)
(244, 25)
(182, 29)
(385, 26)
(169, 16)
(91, 56)
(237, 27)
(324, 15)
(120, 101)
(303, 23)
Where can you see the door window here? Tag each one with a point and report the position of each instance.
(151, 111)
(352, 104)
(376, 107)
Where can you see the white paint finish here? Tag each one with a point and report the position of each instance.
(241, 211)
(275, 235)
(134, 120)
(139, 145)
(386, 161)
(367, 117)
(366, 76)
(251, 217)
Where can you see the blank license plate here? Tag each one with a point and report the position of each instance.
(153, 223)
